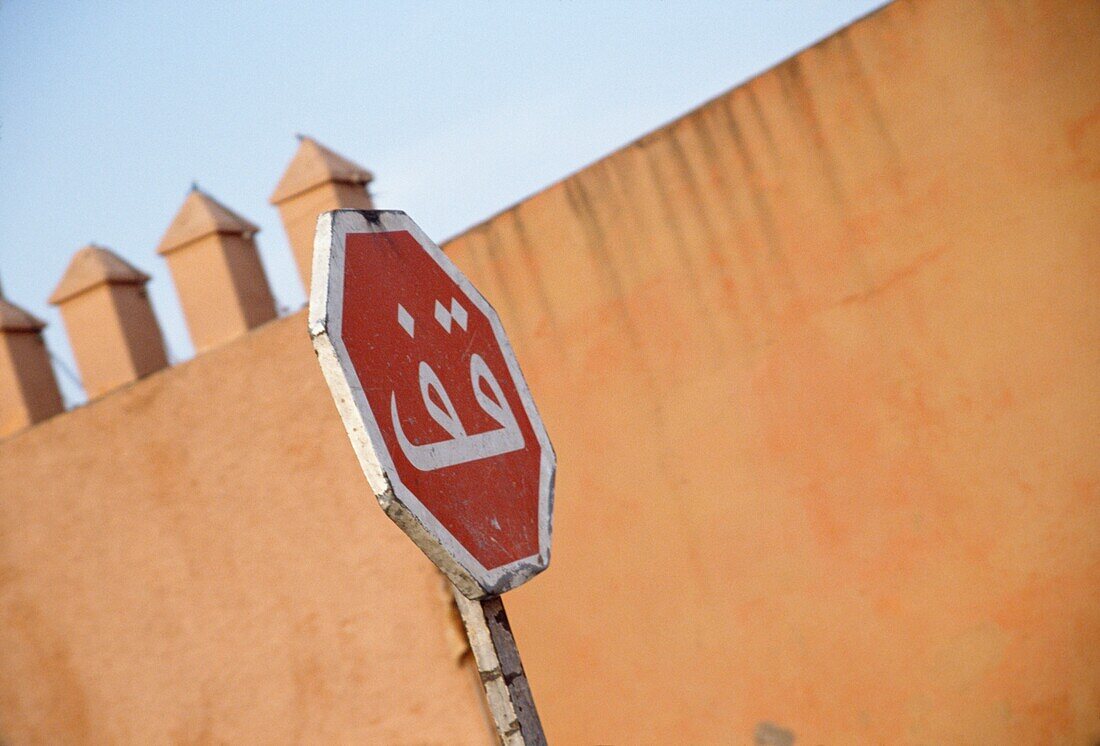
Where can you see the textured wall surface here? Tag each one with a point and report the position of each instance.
(197, 559)
(820, 363)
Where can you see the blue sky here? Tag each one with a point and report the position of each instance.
(109, 110)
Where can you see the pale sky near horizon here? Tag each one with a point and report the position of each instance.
(109, 110)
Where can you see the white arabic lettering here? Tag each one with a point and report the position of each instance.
(461, 447)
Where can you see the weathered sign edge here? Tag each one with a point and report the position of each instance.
(325, 323)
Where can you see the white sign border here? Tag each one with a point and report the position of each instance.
(325, 328)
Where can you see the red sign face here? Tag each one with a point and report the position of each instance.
(433, 399)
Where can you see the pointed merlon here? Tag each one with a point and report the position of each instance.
(15, 319)
(112, 330)
(28, 387)
(313, 165)
(93, 266)
(316, 180)
(198, 217)
(211, 252)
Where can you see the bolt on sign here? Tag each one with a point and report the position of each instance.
(433, 400)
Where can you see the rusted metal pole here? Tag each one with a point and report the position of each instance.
(498, 663)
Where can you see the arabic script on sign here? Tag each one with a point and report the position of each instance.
(461, 447)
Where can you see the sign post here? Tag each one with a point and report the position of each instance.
(445, 429)
(506, 689)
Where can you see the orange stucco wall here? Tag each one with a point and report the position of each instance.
(196, 559)
(820, 364)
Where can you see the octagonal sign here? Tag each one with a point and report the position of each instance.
(432, 399)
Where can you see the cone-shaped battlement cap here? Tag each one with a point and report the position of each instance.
(199, 216)
(92, 266)
(15, 319)
(28, 388)
(315, 164)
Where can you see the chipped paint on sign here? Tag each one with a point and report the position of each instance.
(433, 400)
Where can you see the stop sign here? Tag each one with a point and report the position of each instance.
(433, 400)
